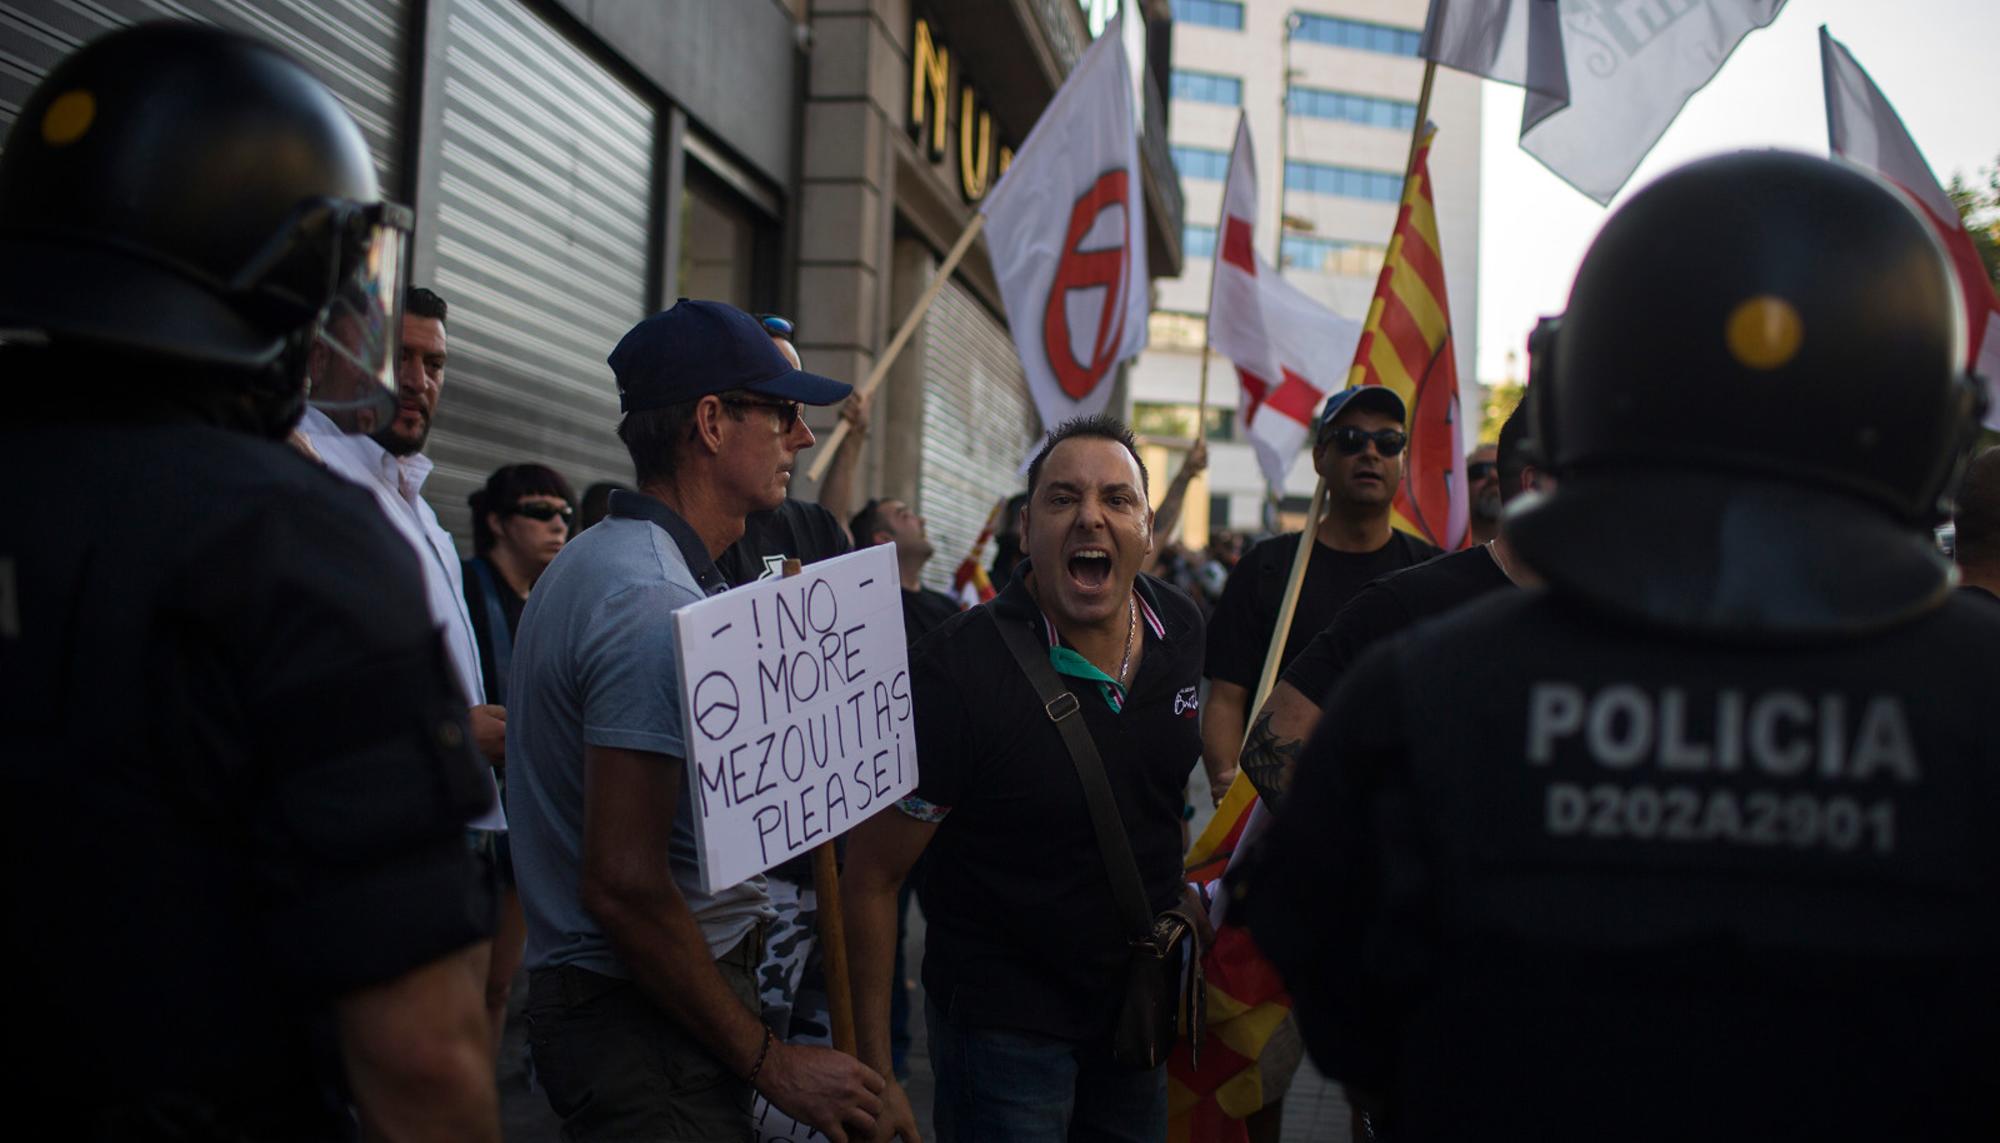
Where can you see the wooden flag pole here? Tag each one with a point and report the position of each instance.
(902, 338)
(832, 930)
(1280, 635)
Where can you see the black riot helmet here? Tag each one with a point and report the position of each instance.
(180, 194)
(1753, 405)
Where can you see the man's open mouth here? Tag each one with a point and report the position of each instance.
(1090, 567)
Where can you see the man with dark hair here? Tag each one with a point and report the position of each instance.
(1359, 454)
(1378, 611)
(235, 897)
(1026, 949)
(1484, 495)
(643, 1009)
(1976, 526)
(892, 522)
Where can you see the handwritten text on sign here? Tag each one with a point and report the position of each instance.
(796, 698)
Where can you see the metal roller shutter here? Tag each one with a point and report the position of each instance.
(978, 424)
(355, 47)
(543, 226)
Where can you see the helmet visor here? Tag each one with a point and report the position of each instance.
(355, 382)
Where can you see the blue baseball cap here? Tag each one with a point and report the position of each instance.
(1380, 398)
(697, 348)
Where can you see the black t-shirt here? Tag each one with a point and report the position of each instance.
(236, 771)
(1547, 876)
(1239, 632)
(1387, 606)
(479, 603)
(1024, 932)
(798, 529)
(924, 610)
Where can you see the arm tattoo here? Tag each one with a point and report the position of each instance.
(1267, 761)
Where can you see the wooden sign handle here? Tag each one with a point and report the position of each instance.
(832, 931)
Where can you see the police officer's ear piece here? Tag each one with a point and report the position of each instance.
(1540, 444)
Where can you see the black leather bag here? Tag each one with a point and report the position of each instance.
(1165, 949)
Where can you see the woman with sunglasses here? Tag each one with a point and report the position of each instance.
(520, 520)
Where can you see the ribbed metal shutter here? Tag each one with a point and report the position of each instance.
(356, 47)
(978, 424)
(543, 225)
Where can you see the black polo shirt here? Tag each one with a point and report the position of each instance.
(923, 610)
(1024, 933)
(799, 529)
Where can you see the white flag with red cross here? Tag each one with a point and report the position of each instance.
(1066, 228)
(1864, 129)
(1289, 350)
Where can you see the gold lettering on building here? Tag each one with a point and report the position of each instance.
(930, 68)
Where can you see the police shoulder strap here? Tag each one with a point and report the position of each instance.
(1063, 709)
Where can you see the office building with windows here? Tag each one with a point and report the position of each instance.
(1346, 122)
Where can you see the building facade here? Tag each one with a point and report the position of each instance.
(1341, 140)
(578, 164)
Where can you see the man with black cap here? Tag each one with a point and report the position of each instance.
(642, 1008)
(1379, 611)
(1697, 841)
(1359, 454)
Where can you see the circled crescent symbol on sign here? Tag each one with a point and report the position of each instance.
(1082, 270)
(716, 704)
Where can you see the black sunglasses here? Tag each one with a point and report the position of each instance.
(776, 326)
(536, 510)
(1350, 440)
(788, 411)
(1481, 469)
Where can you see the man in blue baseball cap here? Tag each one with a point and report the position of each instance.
(642, 1006)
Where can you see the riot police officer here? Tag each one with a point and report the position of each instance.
(1697, 842)
(233, 770)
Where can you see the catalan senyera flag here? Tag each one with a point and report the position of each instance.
(970, 584)
(1406, 344)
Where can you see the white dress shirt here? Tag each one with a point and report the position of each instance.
(395, 482)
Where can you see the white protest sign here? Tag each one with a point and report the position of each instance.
(795, 695)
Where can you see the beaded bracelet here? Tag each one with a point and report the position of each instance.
(770, 1038)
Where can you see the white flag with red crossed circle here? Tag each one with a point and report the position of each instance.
(1066, 227)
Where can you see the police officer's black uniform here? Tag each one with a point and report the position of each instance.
(1697, 843)
(235, 768)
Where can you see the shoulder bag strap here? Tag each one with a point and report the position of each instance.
(1063, 709)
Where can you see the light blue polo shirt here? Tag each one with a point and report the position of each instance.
(594, 665)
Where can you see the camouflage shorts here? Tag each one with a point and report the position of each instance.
(789, 983)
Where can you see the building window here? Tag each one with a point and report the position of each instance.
(1205, 87)
(1166, 329)
(1356, 34)
(1201, 163)
(1333, 256)
(1348, 182)
(1176, 422)
(1209, 13)
(1365, 109)
(1198, 242)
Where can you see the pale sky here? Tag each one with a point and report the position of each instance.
(1936, 60)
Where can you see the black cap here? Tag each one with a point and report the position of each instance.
(697, 348)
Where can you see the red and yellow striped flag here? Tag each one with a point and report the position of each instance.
(1406, 344)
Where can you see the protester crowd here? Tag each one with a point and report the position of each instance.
(1656, 809)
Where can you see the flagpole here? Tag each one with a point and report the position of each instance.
(902, 338)
(1274, 654)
